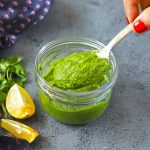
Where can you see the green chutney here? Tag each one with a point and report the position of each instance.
(77, 72)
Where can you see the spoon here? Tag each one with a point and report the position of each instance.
(104, 53)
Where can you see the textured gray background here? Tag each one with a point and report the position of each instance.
(126, 123)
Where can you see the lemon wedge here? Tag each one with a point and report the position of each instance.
(19, 103)
(19, 130)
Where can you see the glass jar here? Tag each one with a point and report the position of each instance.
(72, 107)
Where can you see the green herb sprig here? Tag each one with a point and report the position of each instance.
(11, 72)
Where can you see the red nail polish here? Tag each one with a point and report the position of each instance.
(127, 20)
(139, 26)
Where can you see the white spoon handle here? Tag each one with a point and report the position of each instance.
(118, 37)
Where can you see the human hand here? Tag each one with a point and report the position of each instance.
(141, 21)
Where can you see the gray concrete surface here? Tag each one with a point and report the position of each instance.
(126, 123)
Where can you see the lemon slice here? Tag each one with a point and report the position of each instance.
(19, 130)
(19, 103)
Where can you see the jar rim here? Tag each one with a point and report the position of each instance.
(74, 40)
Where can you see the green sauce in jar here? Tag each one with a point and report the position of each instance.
(77, 72)
(73, 114)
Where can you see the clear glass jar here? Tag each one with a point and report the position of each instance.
(72, 107)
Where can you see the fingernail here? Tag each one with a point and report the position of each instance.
(127, 20)
(139, 26)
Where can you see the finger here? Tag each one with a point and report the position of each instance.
(131, 9)
(142, 22)
(144, 4)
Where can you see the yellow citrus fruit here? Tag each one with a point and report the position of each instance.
(19, 103)
(19, 130)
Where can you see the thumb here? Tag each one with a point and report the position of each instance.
(142, 22)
